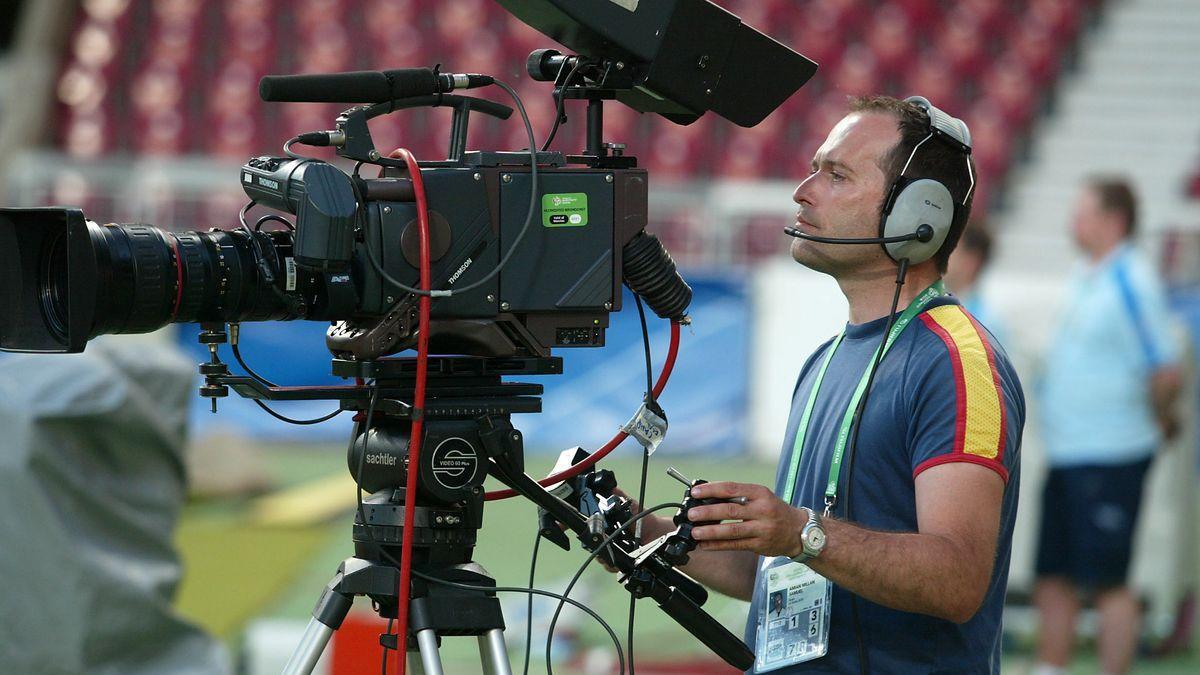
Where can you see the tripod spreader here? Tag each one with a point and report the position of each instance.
(676, 593)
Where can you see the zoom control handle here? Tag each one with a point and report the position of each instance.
(675, 547)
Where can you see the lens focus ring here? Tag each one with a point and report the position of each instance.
(154, 292)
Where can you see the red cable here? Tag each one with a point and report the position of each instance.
(600, 454)
(414, 442)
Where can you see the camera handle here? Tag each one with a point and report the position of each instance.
(352, 138)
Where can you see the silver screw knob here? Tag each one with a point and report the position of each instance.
(674, 473)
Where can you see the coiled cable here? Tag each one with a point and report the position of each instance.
(650, 272)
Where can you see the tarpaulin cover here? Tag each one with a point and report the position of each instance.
(91, 485)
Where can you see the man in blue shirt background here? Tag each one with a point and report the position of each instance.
(917, 543)
(1106, 394)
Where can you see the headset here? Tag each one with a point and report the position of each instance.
(917, 213)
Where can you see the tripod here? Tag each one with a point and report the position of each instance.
(467, 424)
(435, 610)
(468, 435)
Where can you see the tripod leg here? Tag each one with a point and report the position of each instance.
(308, 652)
(493, 653)
(327, 616)
(431, 661)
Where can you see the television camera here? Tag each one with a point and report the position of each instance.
(490, 259)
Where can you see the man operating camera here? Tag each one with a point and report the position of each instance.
(891, 519)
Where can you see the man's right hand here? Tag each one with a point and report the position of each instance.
(653, 525)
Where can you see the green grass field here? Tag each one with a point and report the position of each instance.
(237, 570)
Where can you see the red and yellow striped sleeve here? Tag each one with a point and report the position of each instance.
(980, 411)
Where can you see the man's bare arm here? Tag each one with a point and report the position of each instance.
(942, 570)
(1165, 385)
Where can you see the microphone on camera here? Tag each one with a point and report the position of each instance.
(924, 232)
(365, 86)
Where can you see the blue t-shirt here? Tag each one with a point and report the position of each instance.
(945, 392)
(1115, 331)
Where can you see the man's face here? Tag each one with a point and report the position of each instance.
(1087, 219)
(842, 196)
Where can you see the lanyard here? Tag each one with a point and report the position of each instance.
(937, 289)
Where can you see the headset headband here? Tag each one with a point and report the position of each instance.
(950, 130)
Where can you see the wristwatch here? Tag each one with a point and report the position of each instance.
(812, 538)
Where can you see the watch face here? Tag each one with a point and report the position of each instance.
(816, 539)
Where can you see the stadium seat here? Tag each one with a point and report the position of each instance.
(146, 77)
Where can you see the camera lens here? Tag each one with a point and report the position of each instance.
(53, 287)
(147, 278)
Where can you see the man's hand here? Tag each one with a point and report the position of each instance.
(765, 524)
(653, 525)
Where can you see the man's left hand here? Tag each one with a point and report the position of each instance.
(765, 524)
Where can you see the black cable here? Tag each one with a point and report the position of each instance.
(537, 542)
(385, 648)
(272, 217)
(536, 591)
(856, 424)
(268, 271)
(646, 347)
(237, 354)
(289, 420)
(592, 556)
(287, 148)
(560, 101)
(533, 203)
(645, 461)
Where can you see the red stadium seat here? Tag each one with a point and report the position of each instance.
(1007, 87)
(960, 45)
(932, 78)
(762, 237)
(857, 75)
(675, 153)
(891, 44)
(1035, 47)
(154, 76)
(1061, 17)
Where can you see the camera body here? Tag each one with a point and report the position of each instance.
(75, 279)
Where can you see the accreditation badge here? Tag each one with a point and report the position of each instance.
(793, 615)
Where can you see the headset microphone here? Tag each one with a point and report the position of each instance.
(923, 233)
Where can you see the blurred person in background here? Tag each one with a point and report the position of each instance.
(919, 567)
(1110, 381)
(967, 265)
(92, 482)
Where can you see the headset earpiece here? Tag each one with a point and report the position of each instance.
(911, 206)
(914, 204)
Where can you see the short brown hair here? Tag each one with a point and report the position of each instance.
(977, 238)
(938, 161)
(1115, 195)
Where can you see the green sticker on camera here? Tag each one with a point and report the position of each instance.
(565, 210)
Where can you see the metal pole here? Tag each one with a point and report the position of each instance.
(308, 652)
(427, 645)
(595, 127)
(493, 653)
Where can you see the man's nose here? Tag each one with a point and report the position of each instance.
(801, 195)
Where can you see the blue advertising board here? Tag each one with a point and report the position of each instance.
(599, 390)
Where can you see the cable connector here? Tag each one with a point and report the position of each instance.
(322, 138)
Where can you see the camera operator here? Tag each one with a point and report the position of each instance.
(916, 545)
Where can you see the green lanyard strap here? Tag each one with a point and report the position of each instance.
(918, 305)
